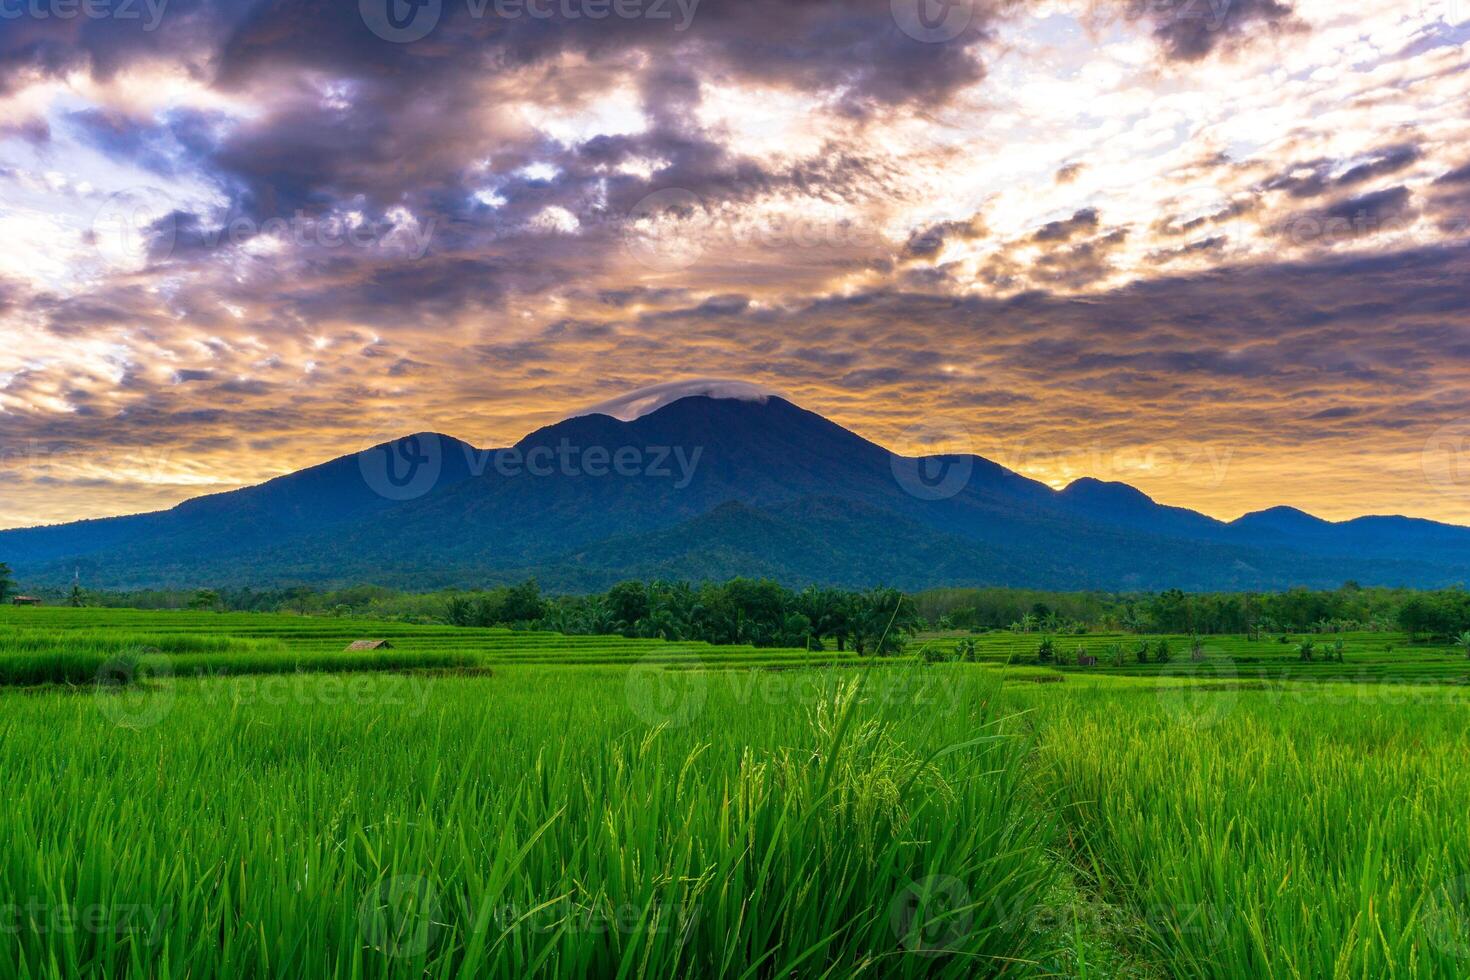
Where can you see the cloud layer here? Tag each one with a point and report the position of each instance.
(1215, 249)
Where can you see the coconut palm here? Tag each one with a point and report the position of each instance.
(1463, 640)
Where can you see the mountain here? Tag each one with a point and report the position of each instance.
(710, 487)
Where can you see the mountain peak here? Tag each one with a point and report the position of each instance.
(1111, 491)
(645, 401)
(1282, 518)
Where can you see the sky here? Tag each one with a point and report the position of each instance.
(1216, 249)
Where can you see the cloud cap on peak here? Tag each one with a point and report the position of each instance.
(644, 401)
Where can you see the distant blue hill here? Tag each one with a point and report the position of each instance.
(710, 488)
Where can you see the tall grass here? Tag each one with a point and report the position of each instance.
(1322, 832)
(530, 824)
(87, 656)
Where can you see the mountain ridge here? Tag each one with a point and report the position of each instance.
(592, 496)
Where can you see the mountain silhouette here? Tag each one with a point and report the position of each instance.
(711, 487)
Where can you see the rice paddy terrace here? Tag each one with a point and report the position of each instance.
(1368, 657)
(518, 804)
(70, 645)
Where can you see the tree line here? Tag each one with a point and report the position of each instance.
(1352, 607)
(765, 613)
(755, 612)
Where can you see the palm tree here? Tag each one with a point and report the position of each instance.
(1463, 640)
(1305, 649)
(1134, 621)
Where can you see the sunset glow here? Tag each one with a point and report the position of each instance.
(1218, 254)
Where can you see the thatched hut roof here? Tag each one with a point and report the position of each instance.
(369, 645)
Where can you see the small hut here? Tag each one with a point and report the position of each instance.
(369, 645)
(25, 600)
(1086, 660)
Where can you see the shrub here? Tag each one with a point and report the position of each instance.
(1046, 650)
(931, 653)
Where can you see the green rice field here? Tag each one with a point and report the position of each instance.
(195, 794)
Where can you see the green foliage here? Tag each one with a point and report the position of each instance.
(1046, 650)
(1163, 653)
(777, 824)
(7, 583)
(519, 605)
(455, 835)
(1347, 861)
(204, 599)
(1348, 609)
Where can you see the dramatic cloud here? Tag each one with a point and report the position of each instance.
(1214, 249)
